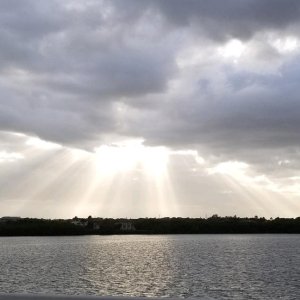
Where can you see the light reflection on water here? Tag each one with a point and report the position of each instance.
(208, 266)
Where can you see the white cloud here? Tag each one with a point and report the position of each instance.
(10, 156)
(40, 144)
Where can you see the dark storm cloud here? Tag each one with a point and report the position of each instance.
(231, 18)
(64, 66)
(256, 109)
(72, 72)
(76, 57)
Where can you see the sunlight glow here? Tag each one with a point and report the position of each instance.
(287, 44)
(41, 144)
(129, 155)
(131, 173)
(10, 156)
(233, 168)
(233, 49)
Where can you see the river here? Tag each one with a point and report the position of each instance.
(198, 266)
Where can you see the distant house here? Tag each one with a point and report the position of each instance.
(9, 219)
(125, 226)
(79, 222)
(89, 223)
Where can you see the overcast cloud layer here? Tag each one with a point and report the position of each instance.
(217, 77)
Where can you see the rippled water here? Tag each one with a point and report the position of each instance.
(209, 266)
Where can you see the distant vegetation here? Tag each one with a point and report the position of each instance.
(214, 224)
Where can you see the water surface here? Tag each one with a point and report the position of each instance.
(208, 266)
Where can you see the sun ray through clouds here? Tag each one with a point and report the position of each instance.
(257, 196)
(121, 165)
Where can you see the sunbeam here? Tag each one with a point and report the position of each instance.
(256, 196)
(131, 179)
(132, 164)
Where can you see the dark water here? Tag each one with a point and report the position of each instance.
(208, 266)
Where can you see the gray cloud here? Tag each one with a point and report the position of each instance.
(74, 73)
(233, 18)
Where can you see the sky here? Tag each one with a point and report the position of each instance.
(150, 108)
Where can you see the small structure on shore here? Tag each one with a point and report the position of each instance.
(125, 226)
(79, 222)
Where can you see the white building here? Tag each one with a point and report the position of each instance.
(127, 226)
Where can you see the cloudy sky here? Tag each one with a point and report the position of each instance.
(150, 108)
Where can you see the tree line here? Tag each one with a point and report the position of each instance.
(211, 225)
